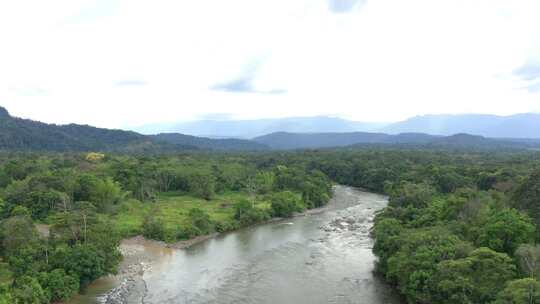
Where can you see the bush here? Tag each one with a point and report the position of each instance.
(202, 185)
(153, 228)
(314, 197)
(84, 261)
(187, 232)
(5, 295)
(27, 290)
(58, 285)
(254, 216)
(285, 203)
(225, 226)
(241, 207)
(200, 220)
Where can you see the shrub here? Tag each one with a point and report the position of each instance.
(58, 285)
(200, 220)
(285, 203)
(254, 216)
(153, 228)
(28, 290)
(202, 185)
(187, 232)
(225, 226)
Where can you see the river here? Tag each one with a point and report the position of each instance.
(319, 258)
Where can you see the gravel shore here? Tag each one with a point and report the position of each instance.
(136, 262)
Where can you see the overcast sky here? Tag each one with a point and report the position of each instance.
(118, 63)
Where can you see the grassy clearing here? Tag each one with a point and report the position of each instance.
(173, 209)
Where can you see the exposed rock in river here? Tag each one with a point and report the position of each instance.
(356, 219)
(132, 288)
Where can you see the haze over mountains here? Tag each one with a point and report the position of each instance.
(514, 126)
(258, 127)
(17, 134)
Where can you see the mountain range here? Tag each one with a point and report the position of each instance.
(514, 126)
(291, 141)
(258, 127)
(17, 134)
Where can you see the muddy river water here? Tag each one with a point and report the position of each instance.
(319, 258)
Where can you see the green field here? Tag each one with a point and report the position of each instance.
(173, 208)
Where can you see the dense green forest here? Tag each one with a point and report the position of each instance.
(461, 227)
(63, 215)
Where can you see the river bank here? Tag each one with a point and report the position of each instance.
(138, 260)
(320, 256)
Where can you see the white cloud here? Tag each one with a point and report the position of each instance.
(62, 60)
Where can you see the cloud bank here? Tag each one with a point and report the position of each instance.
(131, 62)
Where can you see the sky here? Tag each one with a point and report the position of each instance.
(126, 63)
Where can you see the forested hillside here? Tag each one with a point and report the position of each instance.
(210, 143)
(24, 135)
(288, 141)
(18, 134)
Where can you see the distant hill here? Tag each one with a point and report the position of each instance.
(286, 141)
(515, 126)
(477, 142)
(259, 127)
(28, 135)
(17, 134)
(210, 143)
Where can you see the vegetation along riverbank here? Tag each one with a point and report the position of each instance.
(460, 227)
(90, 202)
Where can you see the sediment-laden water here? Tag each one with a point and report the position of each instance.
(319, 258)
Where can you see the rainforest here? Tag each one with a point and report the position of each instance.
(460, 227)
